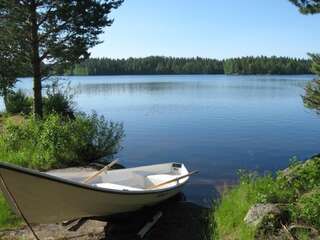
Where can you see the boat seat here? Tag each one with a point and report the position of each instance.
(160, 178)
(117, 187)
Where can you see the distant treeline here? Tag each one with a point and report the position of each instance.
(266, 65)
(149, 65)
(172, 65)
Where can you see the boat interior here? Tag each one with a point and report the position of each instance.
(133, 179)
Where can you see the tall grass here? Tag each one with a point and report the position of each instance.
(7, 218)
(231, 211)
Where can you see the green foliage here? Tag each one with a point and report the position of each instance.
(266, 189)
(231, 211)
(296, 190)
(299, 178)
(315, 65)
(307, 6)
(59, 99)
(54, 142)
(58, 103)
(12, 61)
(149, 65)
(59, 142)
(18, 102)
(307, 209)
(266, 65)
(171, 65)
(58, 33)
(311, 98)
(79, 69)
(7, 218)
(304, 234)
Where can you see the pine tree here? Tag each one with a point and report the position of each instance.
(12, 59)
(55, 33)
(307, 6)
(311, 98)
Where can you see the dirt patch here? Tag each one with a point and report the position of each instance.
(183, 220)
(90, 230)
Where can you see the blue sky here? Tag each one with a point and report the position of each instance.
(209, 28)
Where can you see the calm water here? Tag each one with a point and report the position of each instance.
(212, 123)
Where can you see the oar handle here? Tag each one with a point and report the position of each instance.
(106, 168)
(173, 180)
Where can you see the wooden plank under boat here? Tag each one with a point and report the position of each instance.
(51, 198)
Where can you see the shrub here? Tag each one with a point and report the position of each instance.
(18, 102)
(57, 141)
(59, 99)
(307, 208)
(288, 185)
(265, 188)
(58, 103)
(299, 178)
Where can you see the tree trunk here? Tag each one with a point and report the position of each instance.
(5, 97)
(36, 62)
(37, 103)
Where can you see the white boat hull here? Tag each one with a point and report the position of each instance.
(43, 198)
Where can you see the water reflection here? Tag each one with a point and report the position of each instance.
(133, 87)
(241, 89)
(115, 88)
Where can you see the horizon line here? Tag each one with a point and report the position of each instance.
(195, 57)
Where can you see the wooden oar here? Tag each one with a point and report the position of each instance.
(173, 180)
(106, 168)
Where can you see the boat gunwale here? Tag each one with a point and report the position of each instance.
(86, 186)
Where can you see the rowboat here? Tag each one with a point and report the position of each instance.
(50, 198)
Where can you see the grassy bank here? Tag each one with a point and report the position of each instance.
(296, 191)
(231, 211)
(54, 142)
(8, 219)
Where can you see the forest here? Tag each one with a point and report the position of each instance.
(266, 65)
(198, 65)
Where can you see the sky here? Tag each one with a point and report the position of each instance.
(209, 28)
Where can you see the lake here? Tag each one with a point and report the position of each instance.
(213, 123)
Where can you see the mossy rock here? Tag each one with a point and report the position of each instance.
(257, 212)
(268, 227)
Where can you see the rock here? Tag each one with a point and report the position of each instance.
(270, 228)
(257, 212)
